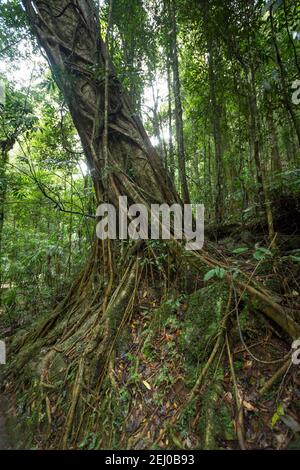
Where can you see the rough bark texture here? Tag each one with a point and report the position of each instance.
(69, 33)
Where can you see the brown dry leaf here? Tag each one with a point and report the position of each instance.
(228, 397)
(188, 443)
(168, 337)
(247, 365)
(248, 406)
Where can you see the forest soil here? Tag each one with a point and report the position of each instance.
(5, 443)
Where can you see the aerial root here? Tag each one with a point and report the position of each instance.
(75, 396)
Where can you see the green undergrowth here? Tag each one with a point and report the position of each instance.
(206, 308)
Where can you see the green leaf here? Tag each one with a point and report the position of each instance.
(265, 250)
(277, 415)
(261, 253)
(209, 275)
(239, 251)
(220, 273)
(216, 272)
(258, 255)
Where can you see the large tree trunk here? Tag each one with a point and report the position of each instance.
(170, 127)
(69, 33)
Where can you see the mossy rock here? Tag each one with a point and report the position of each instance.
(206, 309)
(166, 311)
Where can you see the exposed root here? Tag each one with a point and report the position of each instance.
(268, 306)
(239, 402)
(75, 396)
(278, 374)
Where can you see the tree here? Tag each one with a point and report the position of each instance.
(178, 104)
(83, 329)
(77, 56)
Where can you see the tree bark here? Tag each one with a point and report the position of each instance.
(170, 122)
(217, 133)
(69, 33)
(178, 106)
(285, 94)
(255, 136)
(275, 155)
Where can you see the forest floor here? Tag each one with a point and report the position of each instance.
(163, 350)
(5, 443)
(154, 384)
(3, 434)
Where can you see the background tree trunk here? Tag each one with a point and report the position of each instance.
(178, 106)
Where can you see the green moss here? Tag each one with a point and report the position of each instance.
(216, 420)
(206, 308)
(57, 369)
(123, 342)
(165, 314)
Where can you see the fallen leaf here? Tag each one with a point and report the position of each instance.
(147, 385)
(248, 406)
(247, 365)
(277, 415)
(228, 397)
